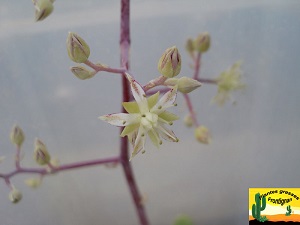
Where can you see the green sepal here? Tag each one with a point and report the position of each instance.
(168, 116)
(128, 129)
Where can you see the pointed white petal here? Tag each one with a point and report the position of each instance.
(138, 94)
(132, 137)
(166, 133)
(166, 101)
(121, 119)
(139, 144)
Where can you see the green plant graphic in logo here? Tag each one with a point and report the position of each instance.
(258, 207)
(289, 210)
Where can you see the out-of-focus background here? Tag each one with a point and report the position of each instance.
(255, 142)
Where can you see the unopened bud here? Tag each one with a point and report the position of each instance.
(33, 182)
(15, 195)
(43, 8)
(82, 73)
(202, 135)
(17, 136)
(202, 42)
(187, 85)
(78, 49)
(41, 154)
(169, 64)
(189, 46)
(188, 120)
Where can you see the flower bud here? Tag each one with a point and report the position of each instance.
(33, 182)
(15, 195)
(78, 50)
(202, 42)
(43, 8)
(189, 46)
(202, 135)
(187, 85)
(188, 120)
(41, 154)
(169, 64)
(17, 136)
(82, 73)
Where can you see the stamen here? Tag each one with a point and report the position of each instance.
(160, 142)
(175, 104)
(143, 115)
(170, 123)
(143, 152)
(144, 95)
(143, 135)
(124, 122)
(159, 107)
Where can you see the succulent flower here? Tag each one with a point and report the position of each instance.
(169, 64)
(185, 84)
(15, 195)
(43, 8)
(41, 154)
(145, 116)
(78, 49)
(228, 81)
(202, 42)
(82, 73)
(17, 136)
(202, 135)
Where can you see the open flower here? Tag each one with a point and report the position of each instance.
(229, 80)
(145, 116)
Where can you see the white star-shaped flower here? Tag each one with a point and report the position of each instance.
(145, 116)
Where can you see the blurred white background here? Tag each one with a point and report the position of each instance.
(255, 143)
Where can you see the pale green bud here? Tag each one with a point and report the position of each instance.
(78, 49)
(188, 120)
(202, 135)
(187, 85)
(17, 136)
(41, 154)
(82, 73)
(33, 182)
(171, 82)
(169, 64)
(43, 8)
(189, 46)
(202, 42)
(15, 195)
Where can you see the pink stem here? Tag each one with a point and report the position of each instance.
(125, 45)
(207, 81)
(106, 69)
(190, 107)
(197, 66)
(44, 171)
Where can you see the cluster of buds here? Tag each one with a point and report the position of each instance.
(43, 8)
(201, 44)
(79, 52)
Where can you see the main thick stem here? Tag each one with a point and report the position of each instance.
(125, 45)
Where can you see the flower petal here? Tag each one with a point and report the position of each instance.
(167, 134)
(154, 138)
(132, 137)
(138, 94)
(168, 116)
(129, 129)
(152, 100)
(121, 119)
(131, 107)
(166, 101)
(139, 144)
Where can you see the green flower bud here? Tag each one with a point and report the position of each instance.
(33, 182)
(82, 73)
(188, 120)
(43, 8)
(15, 195)
(189, 46)
(187, 85)
(17, 136)
(202, 42)
(169, 64)
(41, 154)
(202, 135)
(78, 50)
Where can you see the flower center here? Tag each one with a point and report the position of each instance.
(149, 120)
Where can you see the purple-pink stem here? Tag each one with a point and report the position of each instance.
(191, 110)
(124, 151)
(44, 171)
(197, 66)
(99, 68)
